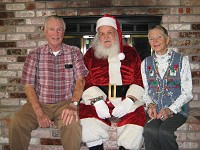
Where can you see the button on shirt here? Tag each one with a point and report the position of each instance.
(53, 77)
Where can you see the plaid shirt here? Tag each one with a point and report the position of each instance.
(53, 77)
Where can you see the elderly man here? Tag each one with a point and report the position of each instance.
(53, 79)
(113, 89)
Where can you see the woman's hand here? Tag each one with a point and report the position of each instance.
(152, 111)
(164, 114)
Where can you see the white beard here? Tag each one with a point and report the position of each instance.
(103, 52)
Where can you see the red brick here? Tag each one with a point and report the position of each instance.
(90, 12)
(47, 141)
(170, 19)
(7, 15)
(192, 51)
(6, 147)
(18, 95)
(179, 42)
(168, 3)
(14, 80)
(16, 52)
(12, 22)
(36, 36)
(2, 7)
(145, 3)
(195, 26)
(7, 44)
(67, 12)
(30, 6)
(188, 10)
(193, 136)
(118, 3)
(194, 127)
(21, 59)
(181, 136)
(196, 58)
(187, 145)
(195, 74)
(56, 5)
(78, 4)
(190, 2)
(157, 11)
(180, 10)
(189, 34)
(99, 3)
(3, 66)
(196, 82)
(136, 11)
(114, 11)
(193, 120)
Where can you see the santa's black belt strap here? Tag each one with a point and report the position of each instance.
(113, 91)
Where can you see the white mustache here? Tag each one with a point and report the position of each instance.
(107, 41)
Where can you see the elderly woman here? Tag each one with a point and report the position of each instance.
(168, 89)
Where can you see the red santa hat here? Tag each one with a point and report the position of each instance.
(108, 20)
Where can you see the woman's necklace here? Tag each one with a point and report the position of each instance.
(158, 78)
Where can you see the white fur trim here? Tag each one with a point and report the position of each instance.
(135, 106)
(106, 21)
(95, 143)
(92, 92)
(121, 56)
(130, 136)
(136, 91)
(116, 101)
(94, 131)
(114, 71)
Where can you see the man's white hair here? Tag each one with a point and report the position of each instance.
(56, 18)
(103, 52)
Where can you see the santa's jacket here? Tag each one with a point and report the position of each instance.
(103, 72)
(98, 68)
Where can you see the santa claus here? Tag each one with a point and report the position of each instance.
(113, 89)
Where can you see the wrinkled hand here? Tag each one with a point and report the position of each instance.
(102, 109)
(163, 114)
(69, 114)
(152, 111)
(43, 120)
(122, 108)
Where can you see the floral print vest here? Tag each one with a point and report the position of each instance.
(164, 91)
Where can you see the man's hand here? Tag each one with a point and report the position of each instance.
(102, 109)
(122, 108)
(43, 120)
(69, 114)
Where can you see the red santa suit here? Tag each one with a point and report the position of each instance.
(127, 76)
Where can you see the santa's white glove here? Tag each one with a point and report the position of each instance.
(102, 109)
(122, 108)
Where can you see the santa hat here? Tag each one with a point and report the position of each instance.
(108, 20)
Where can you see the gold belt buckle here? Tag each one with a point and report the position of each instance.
(112, 91)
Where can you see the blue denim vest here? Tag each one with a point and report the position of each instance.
(165, 91)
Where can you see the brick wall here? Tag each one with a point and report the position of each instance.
(21, 30)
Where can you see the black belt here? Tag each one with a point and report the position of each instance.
(113, 91)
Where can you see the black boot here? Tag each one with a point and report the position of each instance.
(98, 147)
(121, 148)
